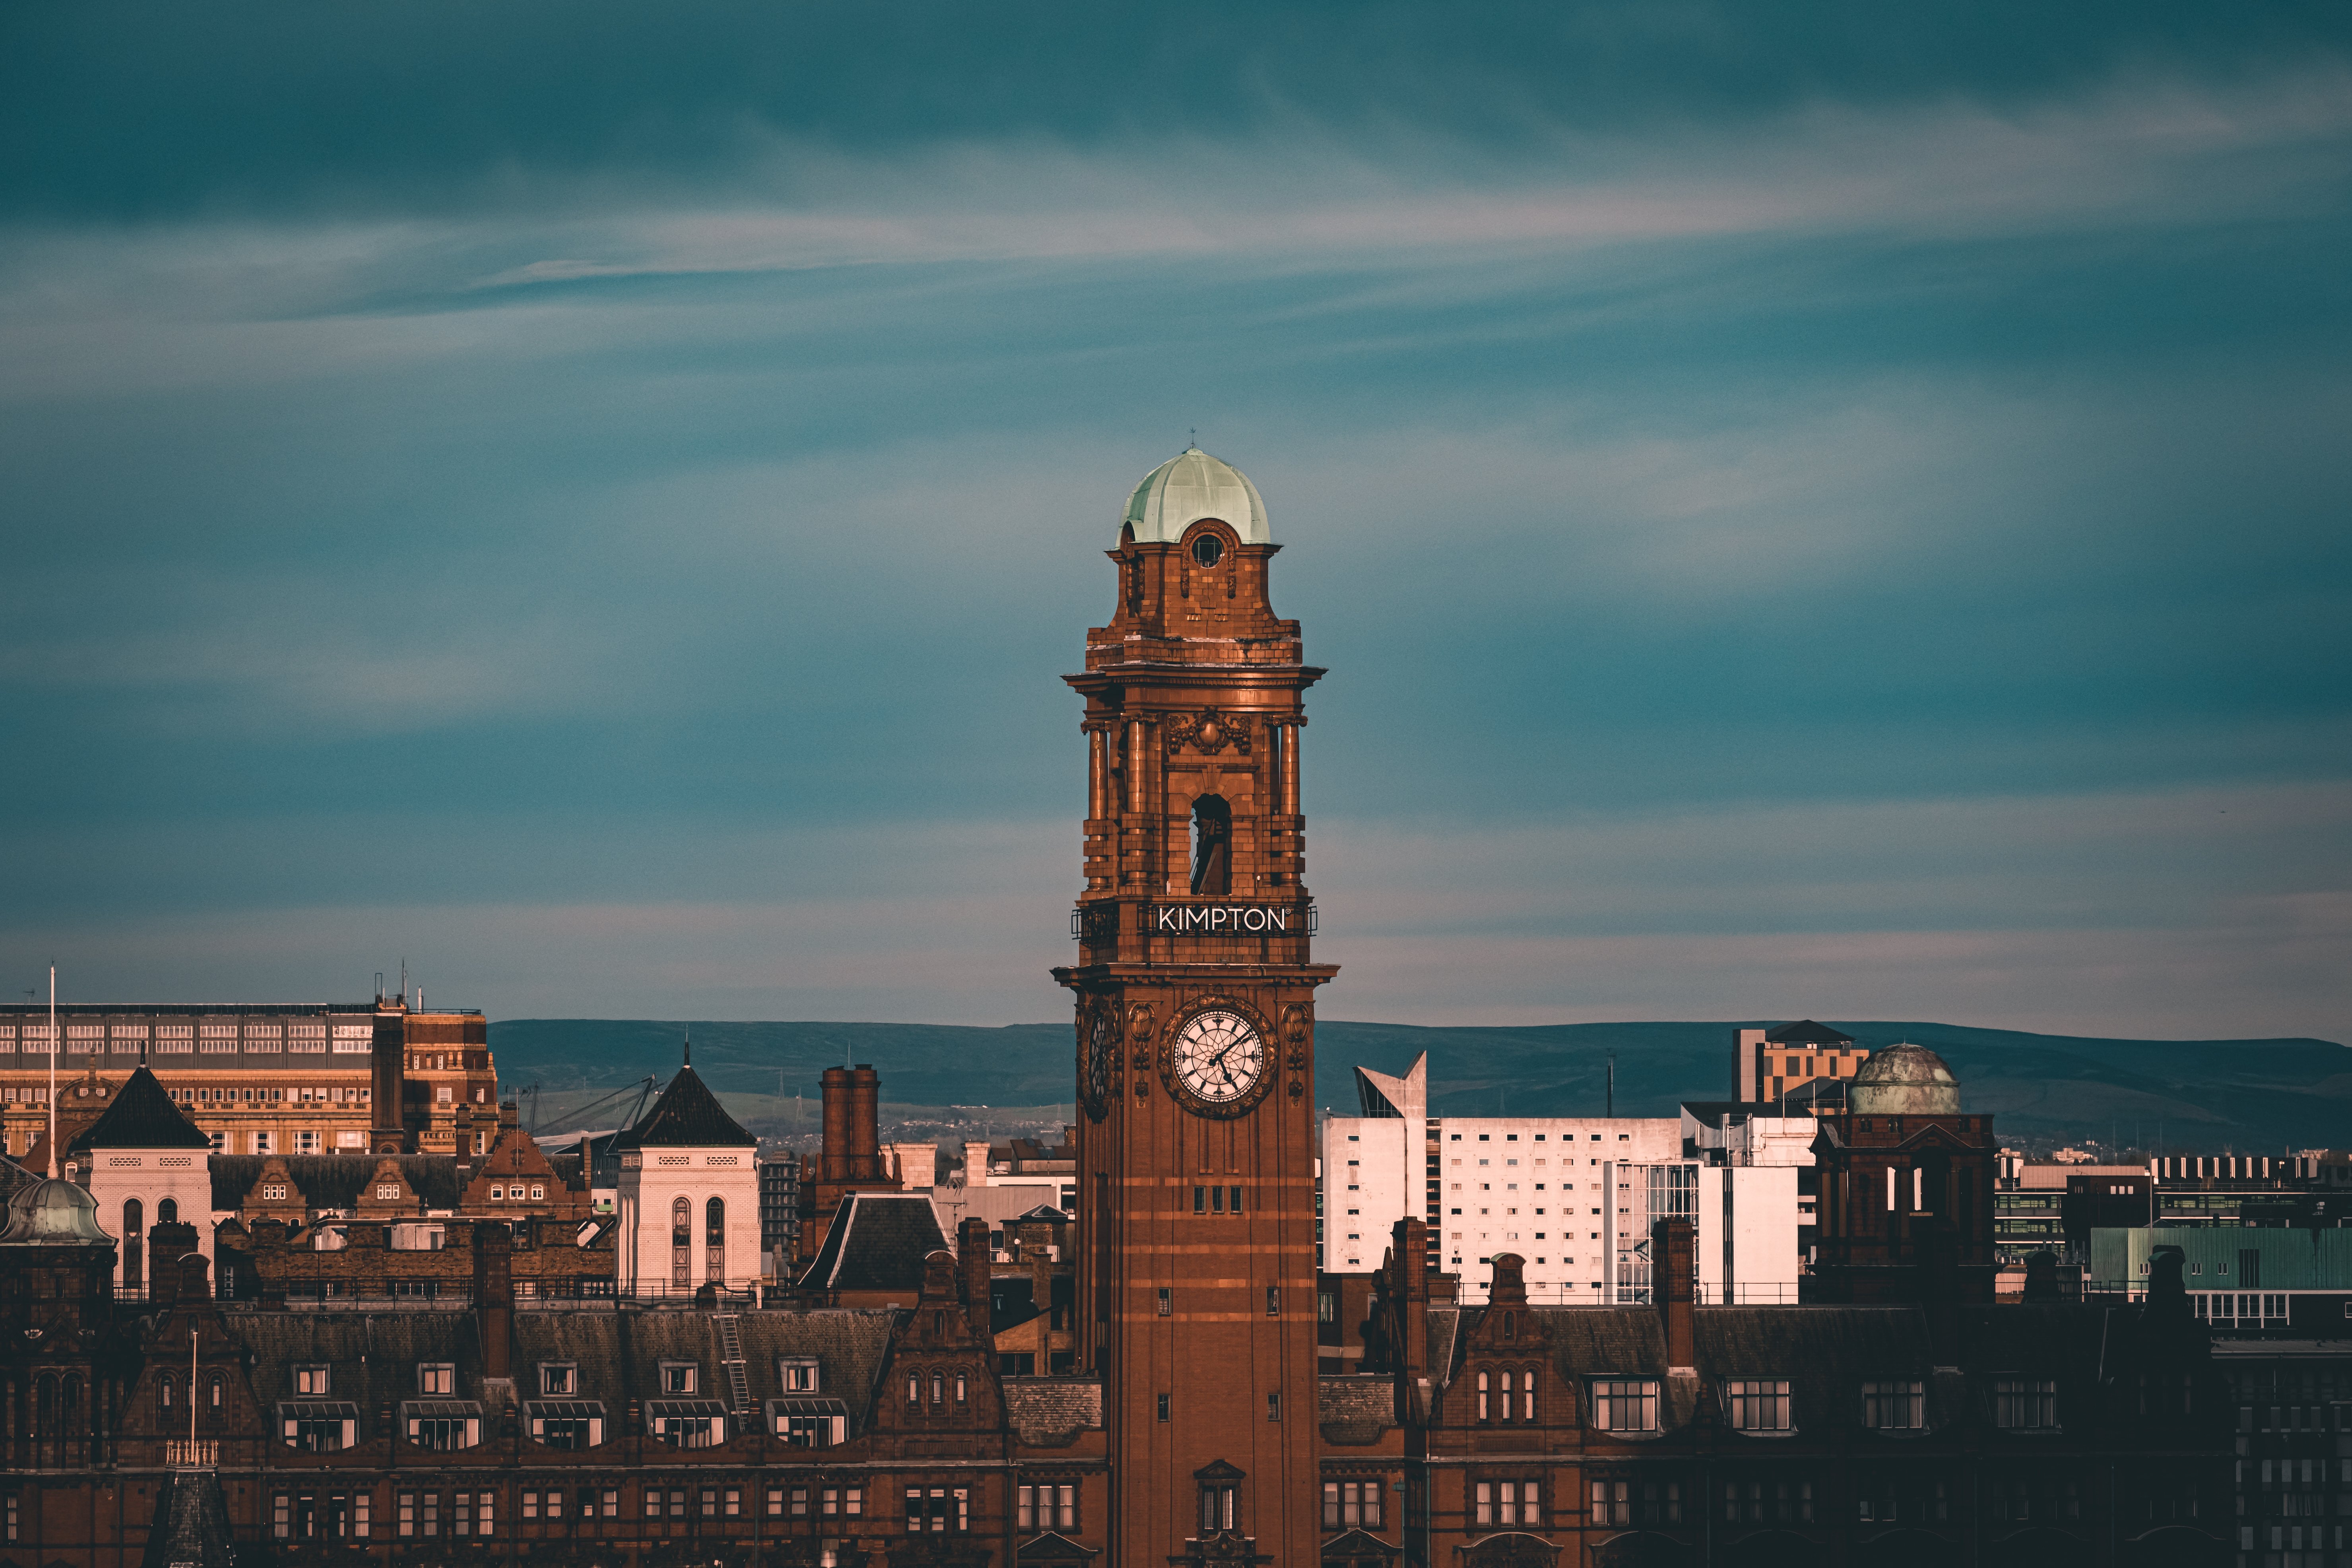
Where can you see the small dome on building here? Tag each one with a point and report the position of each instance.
(53, 1214)
(1905, 1080)
(1188, 487)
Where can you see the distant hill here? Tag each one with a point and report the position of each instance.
(2200, 1096)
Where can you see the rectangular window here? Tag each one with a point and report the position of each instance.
(1024, 1511)
(611, 1505)
(1235, 1203)
(531, 1505)
(281, 1516)
(558, 1377)
(361, 1509)
(652, 1502)
(1349, 1504)
(2026, 1404)
(1066, 1506)
(1897, 1406)
(436, 1377)
(1612, 1503)
(404, 1513)
(1625, 1404)
(711, 1502)
(1758, 1404)
(1167, 1301)
(732, 1503)
(1163, 1407)
(431, 1522)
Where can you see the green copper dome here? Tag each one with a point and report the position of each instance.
(1188, 487)
(53, 1214)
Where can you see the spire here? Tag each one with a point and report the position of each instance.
(686, 1055)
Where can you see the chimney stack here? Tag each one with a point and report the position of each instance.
(1408, 1292)
(975, 1164)
(1673, 1256)
(836, 1125)
(971, 1253)
(494, 1296)
(864, 1120)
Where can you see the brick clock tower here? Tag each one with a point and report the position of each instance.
(1196, 1039)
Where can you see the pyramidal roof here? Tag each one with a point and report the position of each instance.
(142, 1117)
(686, 1115)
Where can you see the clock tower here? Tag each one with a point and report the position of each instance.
(1195, 1002)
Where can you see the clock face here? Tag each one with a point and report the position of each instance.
(1102, 1049)
(1218, 1058)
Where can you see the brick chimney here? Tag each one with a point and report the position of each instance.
(1510, 1284)
(864, 1124)
(1409, 1297)
(975, 1164)
(1673, 1256)
(971, 1253)
(494, 1296)
(835, 1088)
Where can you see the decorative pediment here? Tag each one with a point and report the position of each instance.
(1218, 1470)
(1225, 1549)
(1358, 1546)
(1054, 1547)
(1510, 1549)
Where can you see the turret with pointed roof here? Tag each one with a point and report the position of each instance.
(142, 1117)
(686, 1115)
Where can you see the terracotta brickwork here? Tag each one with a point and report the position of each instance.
(1196, 1225)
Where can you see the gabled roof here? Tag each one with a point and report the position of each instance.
(878, 1242)
(335, 1181)
(686, 1115)
(1805, 1032)
(141, 1117)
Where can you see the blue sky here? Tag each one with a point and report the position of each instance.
(1814, 510)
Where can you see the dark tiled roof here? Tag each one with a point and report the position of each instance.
(1805, 1032)
(333, 1181)
(1050, 1411)
(878, 1242)
(1355, 1410)
(686, 1115)
(141, 1117)
(372, 1357)
(191, 1529)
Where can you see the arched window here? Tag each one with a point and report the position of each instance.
(714, 1240)
(681, 1242)
(135, 1250)
(1527, 1396)
(1482, 1396)
(216, 1392)
(167, 1213)
(164, 1389)
(1212, 834)
(1507, 1396)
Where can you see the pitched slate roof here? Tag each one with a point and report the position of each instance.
(686, 1115)
(878, 1242)
(1355, 1408)
(334, 1181)
(141, 1117)
(191, 1529)
(1050, 1411)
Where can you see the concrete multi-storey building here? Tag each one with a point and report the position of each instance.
(259, 1079)
(1573, 1197)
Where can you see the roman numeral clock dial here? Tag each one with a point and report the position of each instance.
(1218, 1060)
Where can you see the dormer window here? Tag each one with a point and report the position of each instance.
(680, 1377)
(436, 1377)
(558, 1377)
(797, 1376)
(1758, 1404)
(273, 1192)
(387, 1192)
(311, 1382)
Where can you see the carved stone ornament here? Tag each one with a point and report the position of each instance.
(1210, 732)
(1294, 1022)
(1139, 1026)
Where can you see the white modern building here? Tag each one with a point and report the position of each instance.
(1575, 1197)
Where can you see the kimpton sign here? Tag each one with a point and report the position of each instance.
(1225, 919)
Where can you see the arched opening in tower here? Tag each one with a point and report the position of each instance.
(1212, 837)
